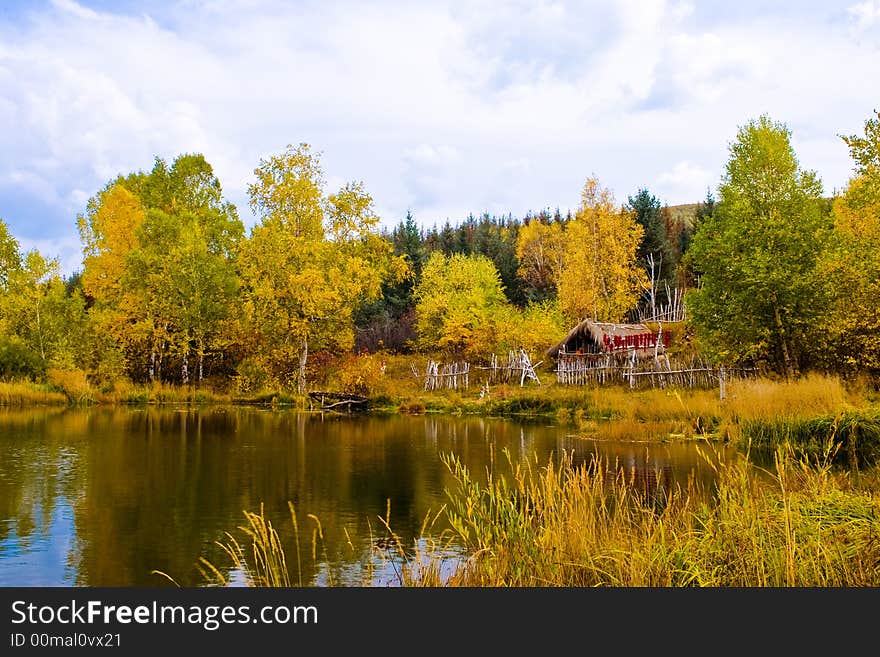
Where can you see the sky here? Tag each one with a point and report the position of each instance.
(440, 108)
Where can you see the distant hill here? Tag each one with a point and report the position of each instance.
(682, 214)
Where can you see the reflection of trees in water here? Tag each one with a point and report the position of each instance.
(656, 471)
(39, 464)
(154, 488)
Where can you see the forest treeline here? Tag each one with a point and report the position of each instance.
(173, 288)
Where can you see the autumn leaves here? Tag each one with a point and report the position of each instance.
(174, 289)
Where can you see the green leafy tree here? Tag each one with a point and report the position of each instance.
(865, 150)
(685, 273)
(41, 325)
(460, 305)
(654, 254)
(537, 327)
(759, 296)
(388, 322)
(648, 213)
(159, 263)
(10, 257)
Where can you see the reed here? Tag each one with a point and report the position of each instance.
(811, 396)
(855, 434)
(799, 524)
(26, 393)
(164, 393)
(261, 560)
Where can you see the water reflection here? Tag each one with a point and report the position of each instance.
(102, 497)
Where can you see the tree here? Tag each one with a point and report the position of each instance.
(10, 257)
(759, 296)
(309, 264)
(654, 254)
(704, 211)
(538, 326)
(387, 322)
(289, 191)
(108, 231)
(540, 249)
(865, 151)
(41, 325)
(852, 264)
(159, 262)
(648, 213)
(496, 239)
(460, 305)
(600, 277)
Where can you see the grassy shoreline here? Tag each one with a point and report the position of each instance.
(761, 413)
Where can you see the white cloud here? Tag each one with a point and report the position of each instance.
(66, 250)
(866, 14)
(689, 180)
(683, 9)
(77, 10)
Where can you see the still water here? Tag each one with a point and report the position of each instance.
(103, 497)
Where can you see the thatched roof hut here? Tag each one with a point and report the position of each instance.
(591, 337)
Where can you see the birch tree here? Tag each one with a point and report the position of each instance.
(852, 264)
(309, 264)
(460, 305)
(760, 296)
(159, 256)
(600, 277)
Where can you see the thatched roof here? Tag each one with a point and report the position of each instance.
(598, 331)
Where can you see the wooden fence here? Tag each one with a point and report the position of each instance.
(454, 376)
(518, 367)
(576, 369)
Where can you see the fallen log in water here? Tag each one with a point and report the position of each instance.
(334, 401)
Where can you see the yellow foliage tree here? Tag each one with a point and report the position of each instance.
(852, 265)
(309, 264)
(536, 327)
(600, 278)
(460, 305)
(159, 264)
(540, 250)
(108, 231)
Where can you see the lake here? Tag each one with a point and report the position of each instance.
(106, 496)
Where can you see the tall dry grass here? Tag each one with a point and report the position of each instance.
(810, 396)
(797, 525)
(258, 558)
(26, 393)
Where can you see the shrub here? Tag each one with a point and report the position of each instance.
(363, 374)
(251, 377)
(72, 382)
(17, 359)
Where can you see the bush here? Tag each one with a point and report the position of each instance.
(317, 368)
(17, 359)
(72, 382)
(251, 377)
(361, 375)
